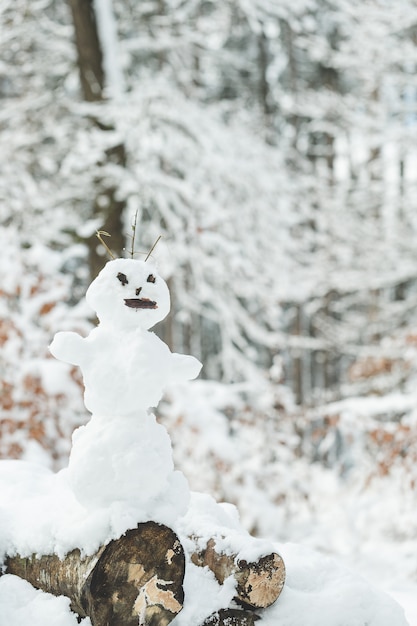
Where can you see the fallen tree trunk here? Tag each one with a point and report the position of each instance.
(137, 579)
(258, 584)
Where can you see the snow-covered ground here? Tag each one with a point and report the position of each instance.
(331, 591)
(392, 567)
(407, 599)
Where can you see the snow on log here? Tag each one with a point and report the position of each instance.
(258, 584)
(231, 617)
(137, 579)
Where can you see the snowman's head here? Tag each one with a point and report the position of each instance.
(129, 293)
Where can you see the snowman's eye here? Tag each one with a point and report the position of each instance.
(151, 278)
(122, 278)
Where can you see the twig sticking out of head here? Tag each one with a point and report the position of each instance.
(99, 234)
(153, 248)
(132, 248)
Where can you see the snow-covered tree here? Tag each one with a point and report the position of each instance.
(271, 146)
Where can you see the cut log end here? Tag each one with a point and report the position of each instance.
(139, 580)
(135, 580)
(258, 584)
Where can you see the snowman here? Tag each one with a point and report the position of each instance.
(122, 456)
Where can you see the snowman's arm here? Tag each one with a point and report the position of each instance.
(184, 367)
(69, 347)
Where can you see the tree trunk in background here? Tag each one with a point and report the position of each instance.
(297, 358)
(90, 56)
(264, 88)
(287, 37)
(374, 164)
(92, 79)
(111, 209)
(137, 579)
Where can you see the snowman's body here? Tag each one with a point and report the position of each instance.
(122, 454)
(124, 371)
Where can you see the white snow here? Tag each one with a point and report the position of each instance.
(125, 368)
(316, 585)
(107, 30)
(328, 594)
(127, 461)
(22, 605)
(121, 472)
(122, 454)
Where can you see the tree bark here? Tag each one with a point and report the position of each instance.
(231, 617)
(90, 57)
(137, 579)
(92, 78)
(111, 208)
(259, 584)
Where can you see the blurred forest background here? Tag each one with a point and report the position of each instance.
(273, 145)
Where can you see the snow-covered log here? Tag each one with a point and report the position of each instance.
(231, 617)
(258, 584)
(137, 579)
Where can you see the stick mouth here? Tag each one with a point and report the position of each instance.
(140, 303)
